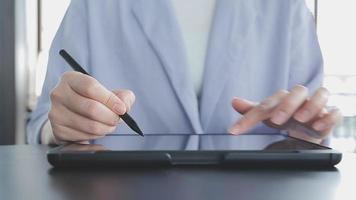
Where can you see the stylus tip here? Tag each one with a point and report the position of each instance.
(138, 131)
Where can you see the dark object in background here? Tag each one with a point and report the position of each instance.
(7, 73)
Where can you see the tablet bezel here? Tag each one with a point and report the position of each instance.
(325, 157)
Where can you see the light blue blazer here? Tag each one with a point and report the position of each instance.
(256, 48)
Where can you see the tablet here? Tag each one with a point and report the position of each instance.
(153, 150)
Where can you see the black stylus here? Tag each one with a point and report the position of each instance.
(75, 65)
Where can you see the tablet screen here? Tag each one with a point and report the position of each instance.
(195, 142)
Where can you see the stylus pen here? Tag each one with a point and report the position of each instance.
(125, 117)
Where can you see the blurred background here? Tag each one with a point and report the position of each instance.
(27, 28)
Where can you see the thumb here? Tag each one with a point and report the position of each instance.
(242, 105)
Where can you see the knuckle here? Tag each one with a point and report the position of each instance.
(93, 137)
(121, 106)
(285, 109)
(111, 129)
(131, 94)
(312, 105)
(55, 128)
(92, 87)
(95, 128)
(264, 105)
(58, 132)
(90, 80)
(287, 104)
(66, 76)
(290, 103)
(112, 119)
(300, 88)
(125, 94)
(329, 122)
(51, 115)
(125, 98)
(115, 120)
(283, 91)
(92, 108)
(59, 138)
(98, 129)
(323, 92)
(54, 115)
(55, 95)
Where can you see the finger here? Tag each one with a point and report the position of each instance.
(66, 134)
(289, 105)
(87, 107)
(313, 106)
(328, 122)
(65, 117)
(127, 96)
(242, 105)
(257, 114)
(323, 112)
(89, 87)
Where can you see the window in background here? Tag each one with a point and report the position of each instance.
(311, 5)
(337, 36)
(50, 14)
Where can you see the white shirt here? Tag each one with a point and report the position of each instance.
(195, 19)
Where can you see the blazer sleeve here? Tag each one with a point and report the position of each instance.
(72, 35)
(306, 62)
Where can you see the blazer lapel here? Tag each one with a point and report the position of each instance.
(161, 28)
(229, 35)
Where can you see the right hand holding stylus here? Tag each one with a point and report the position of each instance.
(82, 109)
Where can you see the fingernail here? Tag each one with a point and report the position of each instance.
(279, 118)
(319, 126)
(120, 110)
(302, 116)
(235, 130)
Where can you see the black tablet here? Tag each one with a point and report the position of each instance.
(153, 150)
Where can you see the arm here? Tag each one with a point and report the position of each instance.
(73, 106)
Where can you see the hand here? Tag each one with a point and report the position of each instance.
(82, 109)
(283, 109)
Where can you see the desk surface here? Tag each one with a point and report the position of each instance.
(25, 174)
